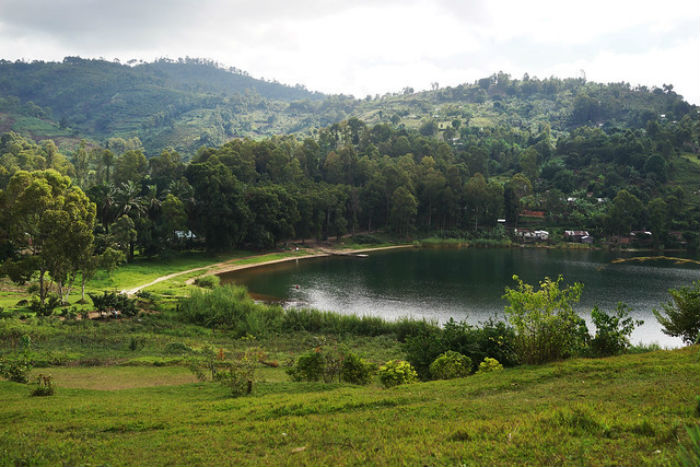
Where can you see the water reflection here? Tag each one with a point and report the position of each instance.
(439, 284)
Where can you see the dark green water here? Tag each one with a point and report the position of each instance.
(466, 283)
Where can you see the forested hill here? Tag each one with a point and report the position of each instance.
(186, 104)
(160, 102)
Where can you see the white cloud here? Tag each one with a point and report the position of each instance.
(372, 47)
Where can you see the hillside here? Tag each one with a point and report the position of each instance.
(185, 104)
(627, 410)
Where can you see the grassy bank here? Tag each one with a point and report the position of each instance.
(627, 410)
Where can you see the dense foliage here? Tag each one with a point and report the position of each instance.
(546, 325)
(681, 316)
(450, 365)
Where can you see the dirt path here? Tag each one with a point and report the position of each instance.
(230, 265)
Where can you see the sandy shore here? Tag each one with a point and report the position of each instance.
(317, 253)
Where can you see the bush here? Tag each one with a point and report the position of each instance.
(489, 365)
(18, 370)
(44, 387)
(366, 239)
(612, 331)
(308, 367)
(15, 370)
(112, 301)
(177, 348)
(451, 365)
(396, 372)
(356, 370)
(492, 339)
(45, 309)
(239, 375)
(208, 282)
(682, 313)
(546, 326)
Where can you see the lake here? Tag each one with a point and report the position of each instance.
(442, 283)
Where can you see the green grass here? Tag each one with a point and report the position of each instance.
(142, 271)
(627, 410)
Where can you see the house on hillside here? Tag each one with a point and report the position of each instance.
(528, 236)
(577, 236)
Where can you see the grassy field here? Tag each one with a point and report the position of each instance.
(125, 396)
(144, 270)
(627, 410)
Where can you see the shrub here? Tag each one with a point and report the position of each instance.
(356, 370)
(208, 282)
(310, 366)
(46, 308)
(612, 331)
(546, 326)
(15, 370)
(682, 313)
(451, 365)
(44, 387)
(492, 339)
(177, 348)
(366, 239)
(396, 372)
(112, 301)
(18, 370)
(489, 365)
(239, 375)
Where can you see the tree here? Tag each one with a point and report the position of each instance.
(658, 219)
(51, 225)
(173, 216)
(517, 188)
(682, 314)
(403, 211)
(547, 328)
(131, 166)
(624, 213)
(219, 214)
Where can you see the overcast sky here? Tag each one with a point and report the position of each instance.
(365, 47)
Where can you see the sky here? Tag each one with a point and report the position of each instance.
(363, 47)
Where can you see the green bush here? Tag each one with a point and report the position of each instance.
(682, 314)
(239, 376)
(546, 325)
(15, 370)
(46, 308)
(208, 282)
(356, 370)
(396, 372)
(451, 365)
(612, 331)
(310, 366)
(177, 348)
(18, 370)
(112, 301)
(366, 239)
(489, 365)
(45, 387)
(492, 339)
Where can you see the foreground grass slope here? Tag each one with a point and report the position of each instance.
(627, 410)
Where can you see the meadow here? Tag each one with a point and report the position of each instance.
(626, 410)
(125, 393)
